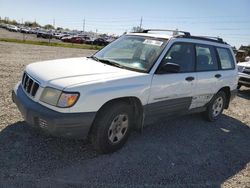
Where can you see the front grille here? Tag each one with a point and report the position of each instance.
(29, 85)
(246, 70)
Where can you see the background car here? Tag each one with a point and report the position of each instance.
(100, 42)
(244, 73)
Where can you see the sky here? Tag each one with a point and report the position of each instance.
(229, 19)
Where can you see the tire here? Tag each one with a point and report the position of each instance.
(215, 107)
(111, 127)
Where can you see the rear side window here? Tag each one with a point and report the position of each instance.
(206, 59)
(226, 58)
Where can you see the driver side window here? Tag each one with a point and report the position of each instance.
(181, 54)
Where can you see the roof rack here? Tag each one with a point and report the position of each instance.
(207, 38)
(175, 32)
(188, 35)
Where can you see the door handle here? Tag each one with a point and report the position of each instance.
(217, 75)
(190, 78)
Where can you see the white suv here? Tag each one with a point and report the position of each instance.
(135, 79)
(244, 73)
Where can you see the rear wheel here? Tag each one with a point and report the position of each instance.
(216, 107)
(112, 127)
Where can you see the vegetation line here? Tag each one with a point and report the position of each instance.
(56, 44)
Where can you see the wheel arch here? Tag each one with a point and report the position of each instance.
(227, 91)
(134, 102)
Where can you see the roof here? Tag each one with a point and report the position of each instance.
(177, 34)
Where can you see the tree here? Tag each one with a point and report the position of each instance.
(31, 24)
(246, 48)
(13, 22)
(137, 29)
(59, 28)
(48, 26)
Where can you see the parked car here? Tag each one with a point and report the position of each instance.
(73, 39)
(13, 28)
(89, 40)
(244, 73)
(24, 30)
(33, 31)
(77, 39)
(129, 83)
(100, 42)
(44, 34)
(66, 39)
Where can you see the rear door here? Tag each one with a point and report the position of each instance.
(172, 92)
(208, 75)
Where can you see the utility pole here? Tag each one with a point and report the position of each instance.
(54, 22)
(141, 24)
(83, 25)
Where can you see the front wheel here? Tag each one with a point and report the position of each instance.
(215, 107)
(112, 127)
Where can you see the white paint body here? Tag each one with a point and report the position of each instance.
(99, 83)
(245, 72)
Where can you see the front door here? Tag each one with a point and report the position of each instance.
(172, 92)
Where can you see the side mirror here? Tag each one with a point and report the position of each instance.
(169, 68)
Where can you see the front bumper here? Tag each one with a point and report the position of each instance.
(244, 79)
(73, 125)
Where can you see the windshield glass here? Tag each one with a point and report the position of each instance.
(137, 53)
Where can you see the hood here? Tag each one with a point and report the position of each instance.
(64, 73)
(244, 64)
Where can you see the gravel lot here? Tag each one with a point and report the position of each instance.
(179, 152)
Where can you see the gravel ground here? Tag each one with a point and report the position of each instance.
(179, 152)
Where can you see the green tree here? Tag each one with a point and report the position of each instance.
(59, 28)
(31, 24)
(137, 29)
(48, 26)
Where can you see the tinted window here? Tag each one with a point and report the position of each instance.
(181, 54)
(206, 59)
(226, 58)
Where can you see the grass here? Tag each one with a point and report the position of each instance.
(56, 44)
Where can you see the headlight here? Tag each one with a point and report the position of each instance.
(50, 96)
(240, 68)
(59, 98)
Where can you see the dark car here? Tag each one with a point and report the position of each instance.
(74, 39)
(89, 40)
(45, 35)
(77, 39)
(100, 42)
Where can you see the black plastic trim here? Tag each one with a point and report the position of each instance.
(75, 125)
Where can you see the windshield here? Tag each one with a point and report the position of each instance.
(137, 53)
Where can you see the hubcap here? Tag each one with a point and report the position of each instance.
(118, 128)
(217, 106)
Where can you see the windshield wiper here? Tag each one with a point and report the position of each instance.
(94, 57)
(106, 61)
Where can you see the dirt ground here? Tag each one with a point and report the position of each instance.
(179, 152)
